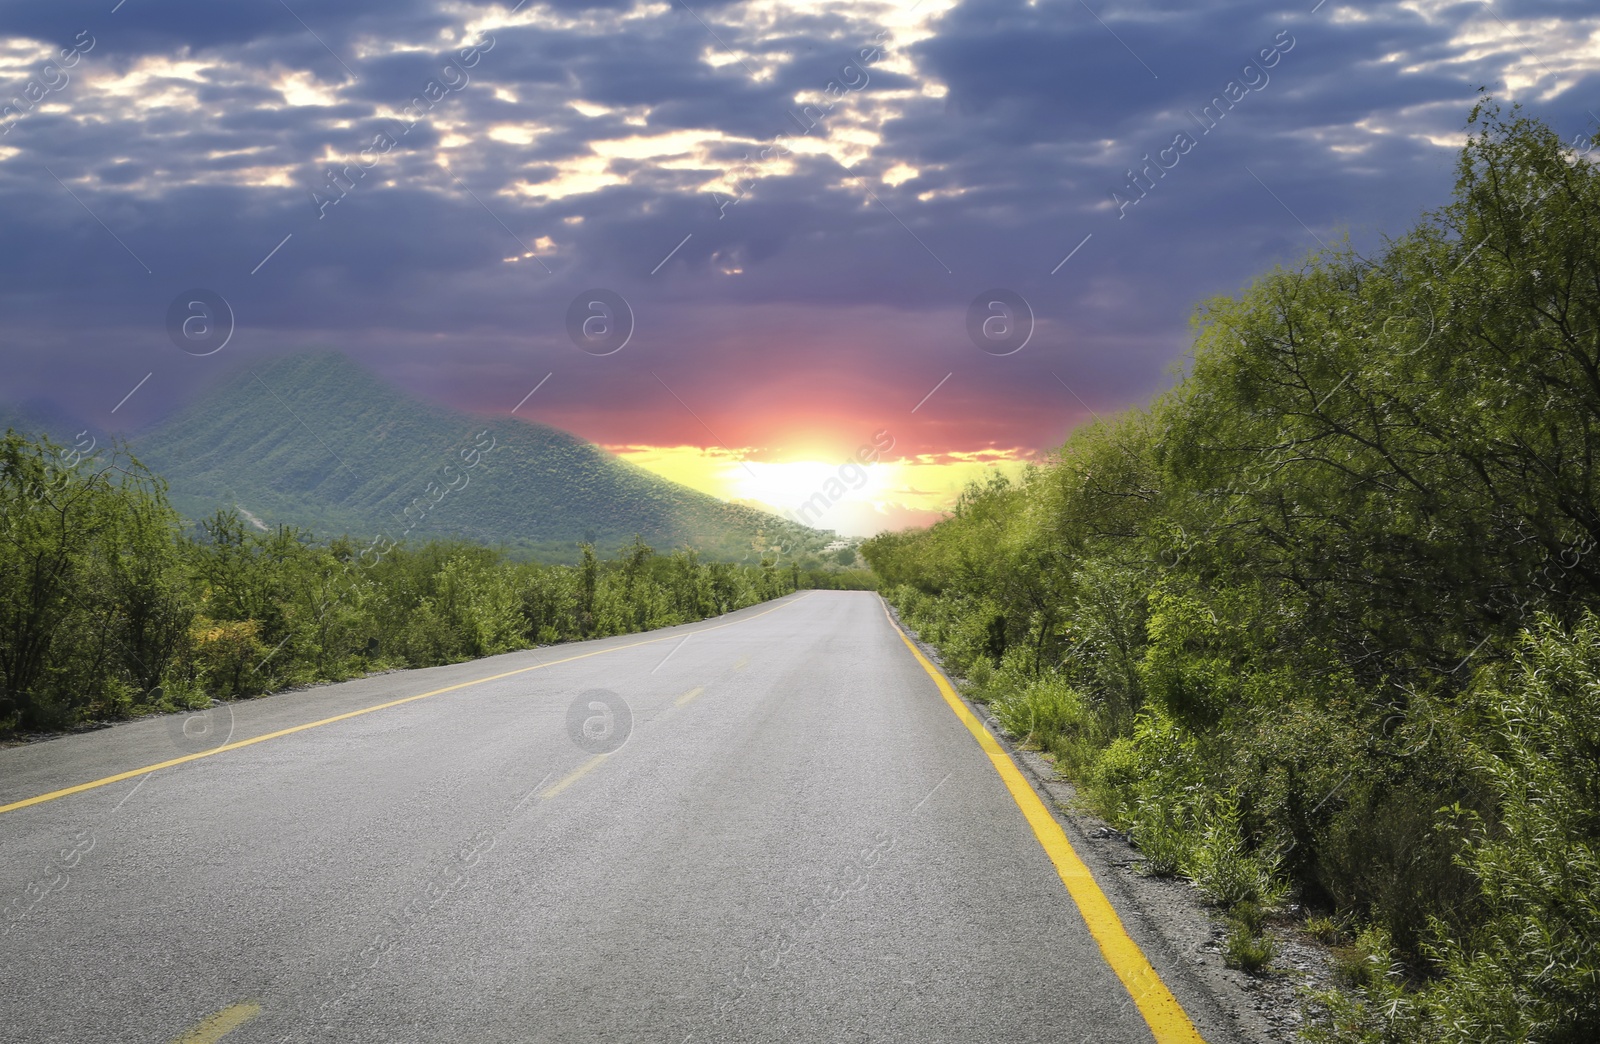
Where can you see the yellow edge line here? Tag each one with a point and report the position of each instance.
(213, 1028)
(576, 774)
(1162, 1012)
(132, 773)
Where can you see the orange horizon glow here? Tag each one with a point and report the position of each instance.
(894, 492)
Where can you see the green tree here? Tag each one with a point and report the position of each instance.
(89, 602)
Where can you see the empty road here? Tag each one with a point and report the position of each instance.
(771, 826)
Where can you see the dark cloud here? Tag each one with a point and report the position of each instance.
(973, 153)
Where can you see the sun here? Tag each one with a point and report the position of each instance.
(786, 485)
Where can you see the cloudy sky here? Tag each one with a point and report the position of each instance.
(803, 208)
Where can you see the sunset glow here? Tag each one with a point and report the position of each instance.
(886, 494)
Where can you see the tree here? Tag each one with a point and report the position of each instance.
(90, 606)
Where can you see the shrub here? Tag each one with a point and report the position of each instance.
(980, 672)
(1112, 779)
(1252, 915)
(225, 656)
(1368, 961)
(1326, 930)
(1389, 858)
(1247, 949)
(1183, 669)
(1224, 872)
(1162, 836)
(977, 631)
(1531, 969)
(1157, 781)
(1049, 713)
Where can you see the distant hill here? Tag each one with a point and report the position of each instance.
(40, 415)
(316, 441)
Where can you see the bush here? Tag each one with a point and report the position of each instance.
(1162, 836)
(1368, 962)
(1223, 871)
(1389, 857)
(1527, 969)
(1113, 779)
(223, 657)
(1049, 713)
(1326, 930)
(980, 673)
(92, 599)
(1531, 969)
(1160, 773)
(1247, 948)
(1184, 668)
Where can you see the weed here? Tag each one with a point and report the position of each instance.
(1224, 872)
(1326, 930)
(1366, 962)
(1247, 950)
(1159, 832)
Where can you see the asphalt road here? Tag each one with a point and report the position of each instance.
(796, 841)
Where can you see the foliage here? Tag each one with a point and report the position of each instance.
(1224, 871)
(1247, 946)
(89, 609)
(1317, 618)
(109, 607)
(1049, 713)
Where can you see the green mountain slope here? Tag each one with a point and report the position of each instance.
(316, 441)
(41, 417)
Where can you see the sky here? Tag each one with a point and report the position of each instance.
(737, 243)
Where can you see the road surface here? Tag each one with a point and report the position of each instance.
(794, 839)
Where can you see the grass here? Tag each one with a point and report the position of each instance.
(1246, 950)
(1248, 947)
(1326, 930)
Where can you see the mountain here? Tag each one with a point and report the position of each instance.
(42, 415)
(316, 441)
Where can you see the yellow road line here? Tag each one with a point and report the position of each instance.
(573, 777)
(213, 1028)
(686, 697)
(238, 744)
(1162, 1013)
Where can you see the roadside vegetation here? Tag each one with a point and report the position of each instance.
(1317, 624)
(112, 606)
